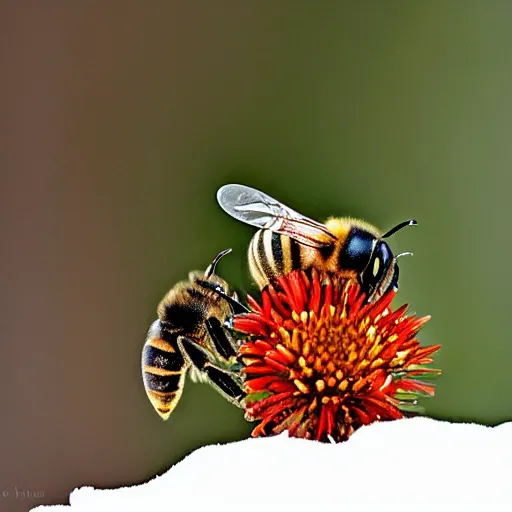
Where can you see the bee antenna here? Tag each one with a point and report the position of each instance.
(236, 306)
(211, 269)
(403, 254)
(398, 227)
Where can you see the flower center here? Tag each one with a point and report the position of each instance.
(328, 349)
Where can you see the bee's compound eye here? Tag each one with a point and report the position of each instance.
(377, 267)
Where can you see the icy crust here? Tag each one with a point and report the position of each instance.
(388, 465)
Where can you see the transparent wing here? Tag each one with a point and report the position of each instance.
(253, 207)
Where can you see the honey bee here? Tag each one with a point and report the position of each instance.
(287, 240)
(190, 334)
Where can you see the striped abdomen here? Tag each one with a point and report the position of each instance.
(272, 255)
(163, 369)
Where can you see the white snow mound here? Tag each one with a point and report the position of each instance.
(394, 465)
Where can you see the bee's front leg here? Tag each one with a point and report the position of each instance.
(225, 382)
(222, 341)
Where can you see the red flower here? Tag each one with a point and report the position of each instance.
(320, 363)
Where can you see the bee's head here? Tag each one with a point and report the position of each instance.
(381, 273)
(210, 281)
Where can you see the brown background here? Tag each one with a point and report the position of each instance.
(118, 124)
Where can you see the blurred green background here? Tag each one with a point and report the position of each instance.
(120, 121)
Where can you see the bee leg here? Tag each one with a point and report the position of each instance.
(225, 384)
(223, 381)
(221, 340)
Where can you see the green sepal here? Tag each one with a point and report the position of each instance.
(412, 408)
(256, 397)
(405, 396)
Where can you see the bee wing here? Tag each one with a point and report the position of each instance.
(253, 207)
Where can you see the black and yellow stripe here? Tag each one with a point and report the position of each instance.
(272, 255)
(163, 370)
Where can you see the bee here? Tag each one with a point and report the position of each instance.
(190, 335)
(287, 240)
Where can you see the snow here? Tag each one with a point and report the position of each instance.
(412, 464)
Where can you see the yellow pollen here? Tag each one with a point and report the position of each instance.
(306, 349)
(358, 385)
(301, 386)
(250, 360)
(320, 385)
(285, 335)
(308, 372)
(370, 333)
(296, 340)
(376, 349)
(335, 400)
(352, 356)
(311, 315)
(313, 405)
(295, 317)
(326, 400)
(302, 362)
(376, 363)
(362, 365)
(332, 310)
(392, 338)
(331, 367)
(285, 351)
(304, 317)
(318, 365)
(331, 382)
(343, 385)
(293, 375)
(339, 375)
